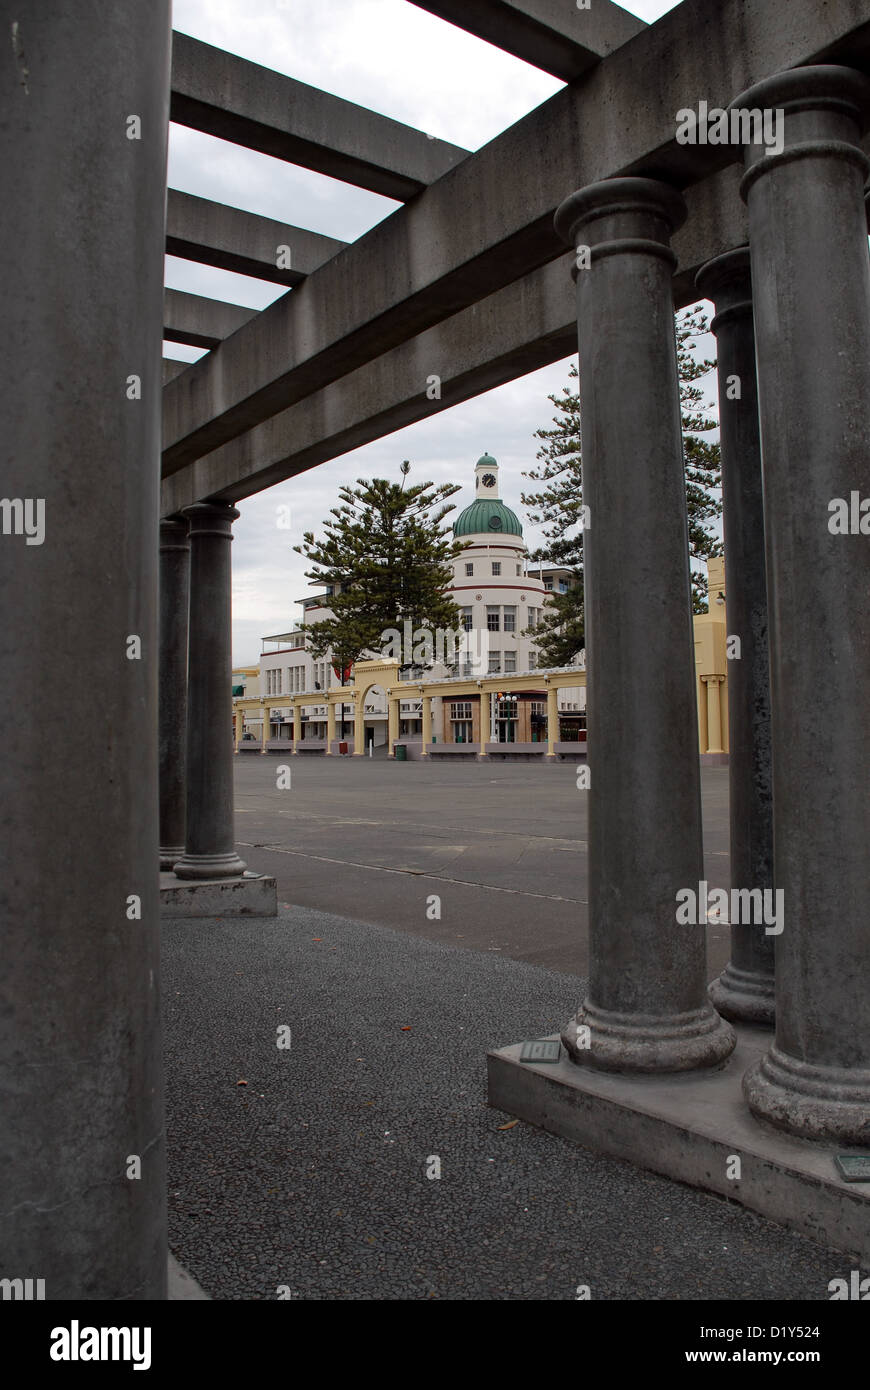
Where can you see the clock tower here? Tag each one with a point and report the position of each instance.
(486, 479)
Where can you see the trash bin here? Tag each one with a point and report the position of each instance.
(342, 748)
(401, 753)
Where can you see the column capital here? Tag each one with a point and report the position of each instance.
(727, 281)
(825, 109)
(174, 533)
(627, 214)
(211, 518)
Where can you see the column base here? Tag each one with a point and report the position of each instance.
(170, 857)
(209, 866)
(744, 996)
(647, 1042)
(815, 1102)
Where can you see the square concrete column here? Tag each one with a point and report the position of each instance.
(426, 723)
(552, 719)
(392, 725)
(267, 729)
(647, 1008)
(82, 1152)
(174, 601)
(811, 294)
(210, 832)
(744, 990)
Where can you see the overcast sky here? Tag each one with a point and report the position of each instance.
(394, 58)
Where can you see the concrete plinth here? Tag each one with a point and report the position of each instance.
(248, 895)
(690, 1127)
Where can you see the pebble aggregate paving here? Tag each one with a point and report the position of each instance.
(309, 1180)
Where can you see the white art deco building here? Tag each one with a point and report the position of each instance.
(500, 601)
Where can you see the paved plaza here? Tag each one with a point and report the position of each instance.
(311, 1177)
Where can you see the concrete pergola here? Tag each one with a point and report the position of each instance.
(468, 280)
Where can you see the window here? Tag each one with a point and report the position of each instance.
(510, 661)
(273, 682)
(469, 569)
(563, 586)
(510, 619)
(496, 566)
(533, 661)
(519, 569)
(463, 731)
(507, 708)
(493, 618)
(548, 584)
(460, 709)
(467, 619)
(494, 662)
(532, 616)
(539, 709)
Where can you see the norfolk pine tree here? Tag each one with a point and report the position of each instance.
(383, 546)
(556, 507)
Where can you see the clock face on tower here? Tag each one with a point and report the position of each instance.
(488, 480)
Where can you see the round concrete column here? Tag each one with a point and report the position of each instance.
(82, 243)
(297, 727)
(330, 727)
(210, 834)
(647, 1008)
(174, 600)
(744, 990)
(811, 292)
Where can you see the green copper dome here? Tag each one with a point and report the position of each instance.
(489, 516)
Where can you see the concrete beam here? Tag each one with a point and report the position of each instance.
(171, 368)
(213, 234)
(227, 96)
(522, 327)
(200, 321)
(549, 34)
(489, 221)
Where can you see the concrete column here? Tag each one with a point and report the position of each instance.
(240, 728)
(647, 1008)
(297, 725)
(82, 241)
(392, 725)
(210, 836)
(426, 723)
(744, 991)
(552, 719)
(174, 599)
(330, 727)
(714, 714)
(811, 294)
(359, 728)
(267, 724)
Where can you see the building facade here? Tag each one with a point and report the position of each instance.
(501, 602)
